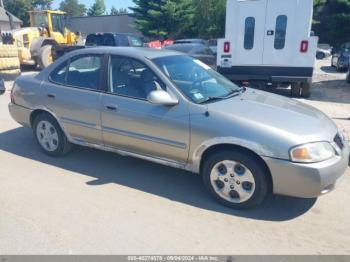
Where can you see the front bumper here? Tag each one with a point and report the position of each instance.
(307, 180)
(20, 114)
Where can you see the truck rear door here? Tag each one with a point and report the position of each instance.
(279, 38)
(248, 41)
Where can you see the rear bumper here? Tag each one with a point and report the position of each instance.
(20, 114)
(307, 180)
(267, 73)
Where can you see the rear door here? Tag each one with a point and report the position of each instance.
(279, 39)
(250, 21)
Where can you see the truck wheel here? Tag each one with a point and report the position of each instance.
(50, 136)
(235, 179)
(45, 56)
(296, 90)
(305, 90)
(320, 56)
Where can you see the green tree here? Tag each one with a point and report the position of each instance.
(73, 8)
(163, 18)
(42, 4)
(97, 9)
(210, 17)
(19, 8)
(332, 20)
(120, 11)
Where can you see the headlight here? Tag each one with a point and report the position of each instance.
(312, 153)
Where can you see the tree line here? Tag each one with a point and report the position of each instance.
(73, 8)
(161, 19)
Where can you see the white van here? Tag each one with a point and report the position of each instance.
(269, 40)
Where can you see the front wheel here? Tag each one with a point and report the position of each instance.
(236, 179)
(50, 136)
(45, 56)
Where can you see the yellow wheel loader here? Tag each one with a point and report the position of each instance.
(47, 31)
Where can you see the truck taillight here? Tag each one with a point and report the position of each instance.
(227, 47)
(304, 46)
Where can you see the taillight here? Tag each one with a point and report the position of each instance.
(227, 47)
(304, 46)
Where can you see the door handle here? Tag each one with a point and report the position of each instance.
(112, 107)
(51, 95)
(270, 32)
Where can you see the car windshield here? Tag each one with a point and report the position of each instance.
(196, 80)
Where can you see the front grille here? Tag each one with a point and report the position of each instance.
(339, 141)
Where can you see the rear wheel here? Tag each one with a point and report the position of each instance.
(305, 90)
(235, 179)
(320, 56)
(50, 136)
(45, 56)
(296, 90)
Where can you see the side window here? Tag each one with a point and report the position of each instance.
(249, 33)
(131, 78)
(59, 74)
(85, 72)
(281, 30)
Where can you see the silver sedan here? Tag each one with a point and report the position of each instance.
(172, 109)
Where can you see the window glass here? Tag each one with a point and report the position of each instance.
(84, 72)
(59, 74)
(196, 80)
(135, 41)
(131, 78)
(122, 40)
(249, 33)
(57, 23)
(281, 29)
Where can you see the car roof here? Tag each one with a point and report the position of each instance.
(127, 51)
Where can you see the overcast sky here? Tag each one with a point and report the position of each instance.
(109, 3)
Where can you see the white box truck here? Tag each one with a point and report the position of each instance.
(269, 41)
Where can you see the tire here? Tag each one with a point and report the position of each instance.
(8, 51)
(45, 56)
(296, 90)
(250, 173)
(338, 68)
(348, 77)
(320, 56)
(305, 90)
(9, 63)
(10, 75)
(58, 143)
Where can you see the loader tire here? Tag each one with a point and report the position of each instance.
(9, 75)
(45, 56)
(9, 63)
(8, 51)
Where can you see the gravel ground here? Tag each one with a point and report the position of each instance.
(93, 202)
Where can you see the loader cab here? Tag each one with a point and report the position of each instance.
(52, 21)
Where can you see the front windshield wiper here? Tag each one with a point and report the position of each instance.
(233, 93)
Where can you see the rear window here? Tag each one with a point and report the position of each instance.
(100, 40)
(249, 33)
(135, 41)
(281, 30)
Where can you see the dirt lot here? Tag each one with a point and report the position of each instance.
(93, 202)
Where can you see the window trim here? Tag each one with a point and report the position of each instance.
(108, 83)
(245, 41)
(285, 32)
(101, 85)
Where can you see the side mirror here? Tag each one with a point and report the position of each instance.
(2, 87)
(161, 97)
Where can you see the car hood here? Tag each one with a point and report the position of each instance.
(284, 116)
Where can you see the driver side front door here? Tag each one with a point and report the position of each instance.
(131, 123)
